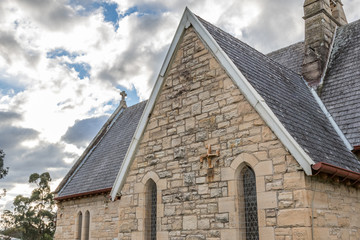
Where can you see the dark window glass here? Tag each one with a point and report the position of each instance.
(79, 226)
(151, 208)
(87, 226)
(250, 202)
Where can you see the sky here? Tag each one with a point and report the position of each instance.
(63, 64)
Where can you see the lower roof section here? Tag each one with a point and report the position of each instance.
(98, 169)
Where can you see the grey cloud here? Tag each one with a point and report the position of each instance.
(52, 14)
(12, 136)
(83, 131)
(128, 64)
(349, 6)
(271, 30)
(11, 49)
(23, 162)
(7, 117)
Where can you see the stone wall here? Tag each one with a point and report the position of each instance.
(104, 217)
(198, 106)
(336, 209)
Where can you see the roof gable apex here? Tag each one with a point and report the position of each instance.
(254, 98)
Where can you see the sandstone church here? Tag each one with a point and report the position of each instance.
(232, 144)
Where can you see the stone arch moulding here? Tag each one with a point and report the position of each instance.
(140, 189)
(265, 199)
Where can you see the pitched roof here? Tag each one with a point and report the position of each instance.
(289, 97)
(279, 94)
(341, 88)
(97, 170)
(291, 56)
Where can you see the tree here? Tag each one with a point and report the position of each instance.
(3, 171)
(33, 217)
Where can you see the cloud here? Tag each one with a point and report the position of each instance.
(8, 117)
(62, 63)
(11, 136)
(54, 15)
(83, 130)
(10, 49)
(282, 29)
(26, 152)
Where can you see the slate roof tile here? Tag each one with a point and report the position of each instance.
(99, 170)
(291, 56)
(341, 88)
(289, 97)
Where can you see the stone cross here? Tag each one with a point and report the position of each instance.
(123, 95)
(209, 155)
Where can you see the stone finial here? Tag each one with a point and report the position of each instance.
(321, 18)
(123, 102)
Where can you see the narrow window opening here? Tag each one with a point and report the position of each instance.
(79, 226)
(150, 208)
(87, 226)
(249, 229)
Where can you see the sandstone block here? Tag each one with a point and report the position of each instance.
(294, 180)
(264, 168)
(267, 200)
(294, 217)
(190, 222)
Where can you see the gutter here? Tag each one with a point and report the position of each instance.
(335, 171)
(356, 148)
(85, 194)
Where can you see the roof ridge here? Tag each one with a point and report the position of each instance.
(258, 66)
(252, 49)
(283, 48)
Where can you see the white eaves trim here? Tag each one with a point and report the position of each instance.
(243, 84)
(120, 178)
(254, 98)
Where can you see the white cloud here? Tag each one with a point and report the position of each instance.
(46, 97)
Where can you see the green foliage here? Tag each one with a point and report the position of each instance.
(33, 217)
(3, 170)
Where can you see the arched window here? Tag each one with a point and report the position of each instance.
(79, 226)
(249, 228)
(86, 226)
(150, 208)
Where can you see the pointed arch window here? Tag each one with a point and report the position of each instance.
(151, 209)
(79, 226)
(248, 204)
(87, 226)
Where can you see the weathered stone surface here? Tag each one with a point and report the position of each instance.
(199, 105)
(189, 222)
(294, 217)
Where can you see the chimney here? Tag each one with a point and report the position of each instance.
(321, 18)
(338, 12)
